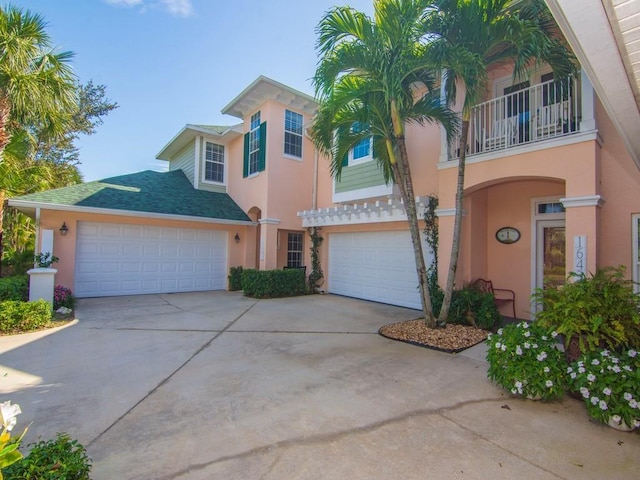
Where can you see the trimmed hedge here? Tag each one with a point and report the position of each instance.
(18, 316)
(273, 283)
(235, 279)
(14, 288)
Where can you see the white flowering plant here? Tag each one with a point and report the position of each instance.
(609, 383)
(9, 453)
(524, 359)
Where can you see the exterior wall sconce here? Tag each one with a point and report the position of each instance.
(237, 238)
(64, 229)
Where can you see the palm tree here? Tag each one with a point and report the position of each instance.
(469, 37)
(37, 87)
(372, 79)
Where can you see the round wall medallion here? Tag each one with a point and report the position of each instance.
(508, 235)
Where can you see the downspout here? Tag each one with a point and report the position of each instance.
(37, 240)
(314, 185)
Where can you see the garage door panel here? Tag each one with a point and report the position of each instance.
(116, 259)
(376, 266)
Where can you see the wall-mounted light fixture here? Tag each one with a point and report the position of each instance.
(64, 229)
(237, 238)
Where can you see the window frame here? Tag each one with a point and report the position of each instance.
(299, 261)
(253, 168)
(366, 158)
(295, 134)
(205, 160)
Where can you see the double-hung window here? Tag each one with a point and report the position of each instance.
(293, 134)
(213, 162)
(255, 147)
(294, 249)
(254, 143)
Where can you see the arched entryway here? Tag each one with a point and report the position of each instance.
(514, 234)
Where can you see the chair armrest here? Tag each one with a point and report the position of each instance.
(506, 291)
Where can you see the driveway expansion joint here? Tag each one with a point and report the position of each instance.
(340, 434)
(166, 379)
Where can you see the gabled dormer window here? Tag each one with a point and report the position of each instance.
(213, 162)
(255, 147)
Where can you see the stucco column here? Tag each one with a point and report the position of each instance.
(41, 284)
(268, 243)
(582, 223)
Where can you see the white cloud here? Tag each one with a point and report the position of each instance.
(179, 8)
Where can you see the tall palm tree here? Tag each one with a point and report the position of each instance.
(372, 79)
(37, 86)
(469, 37)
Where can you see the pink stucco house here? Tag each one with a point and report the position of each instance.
(552, 186)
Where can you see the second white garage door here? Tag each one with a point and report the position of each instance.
(376, 266)
(122, 259)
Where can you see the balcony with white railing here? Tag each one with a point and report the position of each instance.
(535, 114)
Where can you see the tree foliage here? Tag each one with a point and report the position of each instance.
(93, 106)
(43, 111)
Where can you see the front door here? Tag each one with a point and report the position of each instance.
(550, 253)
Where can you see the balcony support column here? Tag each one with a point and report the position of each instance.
(588, 122)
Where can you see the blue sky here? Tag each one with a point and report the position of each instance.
(172, 62)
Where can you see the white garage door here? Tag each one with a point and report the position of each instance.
(121, 259)
(378, 266)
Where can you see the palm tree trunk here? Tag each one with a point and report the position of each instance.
(457, 226)
(402, 173)
(2, 200)
(4, 123)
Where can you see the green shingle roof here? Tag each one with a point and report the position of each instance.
(168, 193)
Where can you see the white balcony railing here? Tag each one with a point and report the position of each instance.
(547, 110)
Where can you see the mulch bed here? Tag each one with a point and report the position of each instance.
(450, 339)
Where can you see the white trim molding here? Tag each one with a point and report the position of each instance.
(269, 221)
(583, 201)
(448, 212)
(390, 210)
(362, 193)
(19, 204)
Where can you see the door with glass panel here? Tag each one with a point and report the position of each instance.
(550, 253)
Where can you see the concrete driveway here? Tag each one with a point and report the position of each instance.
(216, 385)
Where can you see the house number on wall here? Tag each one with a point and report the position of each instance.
(580, 254)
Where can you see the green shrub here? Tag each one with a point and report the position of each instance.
(235, 279)
(17, 262)
(468, 307)
(273, 283)
(18, 316)
(62, 458)
(601, 311)
(14, 288)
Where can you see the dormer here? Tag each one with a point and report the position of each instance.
(274, 117)
(202, 153)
